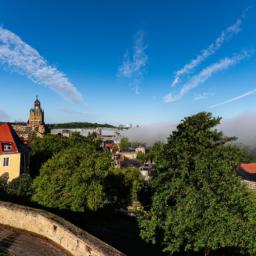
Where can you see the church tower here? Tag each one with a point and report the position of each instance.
(36, 119)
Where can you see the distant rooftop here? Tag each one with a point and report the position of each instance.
(247, 171)
(250, 168)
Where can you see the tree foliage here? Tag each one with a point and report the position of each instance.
(45, 148)
(73, 179)
(249, 153)
(79, 125)
(3, 185)
(199, 203)
(82, 178)
(123, 186)
(124, 143)
(142, 157)
(20, 187)
(155, 151)
(134, 181)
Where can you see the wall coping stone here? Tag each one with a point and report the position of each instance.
(86, 244)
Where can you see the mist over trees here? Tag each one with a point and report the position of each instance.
(199, 204)
(194, 204)
(241, 126)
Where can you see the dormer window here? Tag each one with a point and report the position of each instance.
(7, 147)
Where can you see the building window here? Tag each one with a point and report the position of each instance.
(6, 161)
(7, 147)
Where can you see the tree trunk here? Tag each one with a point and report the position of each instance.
(206, 252)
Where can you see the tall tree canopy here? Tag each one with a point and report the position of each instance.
(20, 187)
(199, 203)
(45, 148)
(82, 178)
(124, 143)
(73, 179)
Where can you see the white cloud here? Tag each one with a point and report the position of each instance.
(135, 84)
(133, 66)
(203, 96)
(205, 74)
(210, 50)
(249, 93)
(22, 58)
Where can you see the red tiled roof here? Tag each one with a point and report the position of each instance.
(7, 135)
(109, 145)
(249, 168)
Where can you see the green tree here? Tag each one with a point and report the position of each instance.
(4, 253)
(117, 189)
(124, 186)
(78, 125)
(3, 185)
(142, 157)
(155, 151)
(134, 180)
(73, 179)
(20, 187)
(82, 178)
(249, 154)
(43, 149)
(199, 203)
(124, 143)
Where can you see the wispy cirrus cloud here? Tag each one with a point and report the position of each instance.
(206, 73)
(203, 96)
(133, 66)
(230, 31)
(249, 93)
(22, 58)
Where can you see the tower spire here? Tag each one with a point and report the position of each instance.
(36, 118)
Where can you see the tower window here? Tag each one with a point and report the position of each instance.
(6, 161)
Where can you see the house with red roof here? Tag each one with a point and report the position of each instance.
(247, 171)
(14, 155)
(248, 174)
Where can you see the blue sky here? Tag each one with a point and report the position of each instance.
(116, 61)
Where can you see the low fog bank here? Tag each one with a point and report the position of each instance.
(242, 126)
(150, 133)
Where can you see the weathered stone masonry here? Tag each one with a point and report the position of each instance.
(71, 238)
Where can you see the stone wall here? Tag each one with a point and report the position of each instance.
(249, 184)
(72, 239)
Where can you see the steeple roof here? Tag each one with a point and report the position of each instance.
(37, 102)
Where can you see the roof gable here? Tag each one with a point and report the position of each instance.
(249, 168)
(8, 136)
